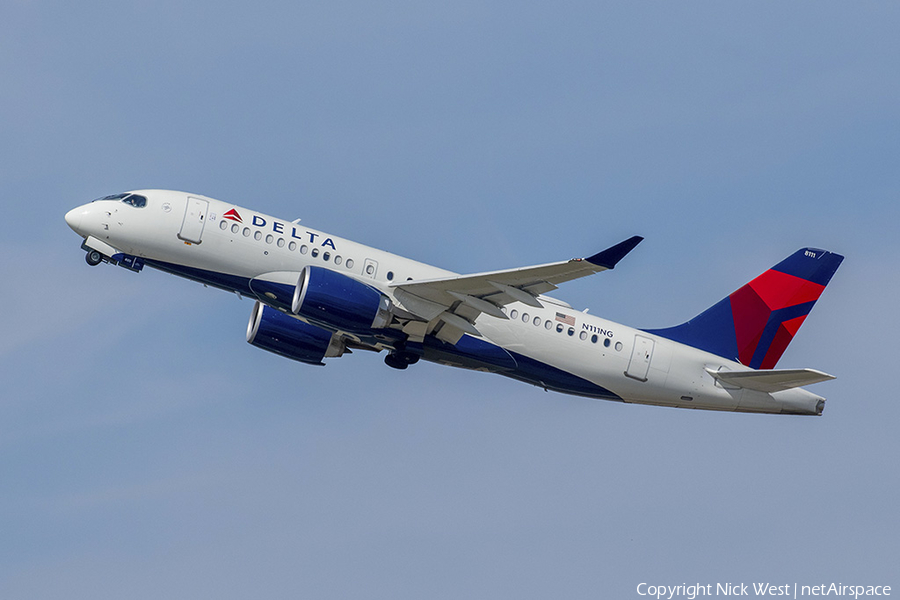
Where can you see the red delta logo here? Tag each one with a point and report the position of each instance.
(767, 313)
(233, 215)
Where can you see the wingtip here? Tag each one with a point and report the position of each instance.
(610, 257)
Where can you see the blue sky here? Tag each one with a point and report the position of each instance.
(147, 451)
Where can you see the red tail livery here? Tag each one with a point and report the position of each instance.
(755, 324)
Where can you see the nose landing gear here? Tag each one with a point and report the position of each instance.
(110, 255)
(93, 258)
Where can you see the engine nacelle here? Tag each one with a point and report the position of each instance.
(327, 297)
(272, 330)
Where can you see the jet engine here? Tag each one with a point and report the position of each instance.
(336, 300)
(272, 330)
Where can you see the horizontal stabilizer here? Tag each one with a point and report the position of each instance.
(770, 380)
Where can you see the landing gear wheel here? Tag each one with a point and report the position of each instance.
(395, 361)
(93, 258)
(401, 360)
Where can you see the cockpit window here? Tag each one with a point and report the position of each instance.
(136, 200)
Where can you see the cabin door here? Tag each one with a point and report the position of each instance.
(641, 353)
(194, 220)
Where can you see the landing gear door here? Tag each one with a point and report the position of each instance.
(194, 220)
(641, 353)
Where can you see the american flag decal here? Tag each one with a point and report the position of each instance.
(567, 319)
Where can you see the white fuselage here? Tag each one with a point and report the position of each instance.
(229, 247)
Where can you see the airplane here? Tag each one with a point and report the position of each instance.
(321, 296)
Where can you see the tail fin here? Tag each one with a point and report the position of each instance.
(755, 324)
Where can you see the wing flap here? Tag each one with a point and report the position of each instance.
(770, 380)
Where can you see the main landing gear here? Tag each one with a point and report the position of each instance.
(401, 360)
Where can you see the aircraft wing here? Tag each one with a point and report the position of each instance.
(459, 300)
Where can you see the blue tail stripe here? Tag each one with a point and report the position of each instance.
(712, 331)
(819, 271)
(775, 320)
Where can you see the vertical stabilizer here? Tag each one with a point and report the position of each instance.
(755, 324)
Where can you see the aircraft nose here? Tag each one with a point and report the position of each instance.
(73, 218)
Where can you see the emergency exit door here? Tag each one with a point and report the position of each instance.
(194, 220)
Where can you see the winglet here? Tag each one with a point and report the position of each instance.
(611, 256)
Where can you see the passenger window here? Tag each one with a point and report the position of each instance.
(223, 225)
(338, 259)
(234, 228)
(583, 335)
(559, 328)
(315, 252)
(525, 317)
(548, 325)
(326, 256)
(246, 232)
(280, 242)
(349, 263)
(537, 321)
(513, 314)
